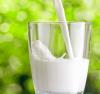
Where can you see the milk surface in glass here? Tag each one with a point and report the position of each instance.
(53, 75)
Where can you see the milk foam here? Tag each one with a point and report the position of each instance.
(40, 51)
(51, 74)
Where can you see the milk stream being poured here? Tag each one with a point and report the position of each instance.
(65, 32)
(59, 75)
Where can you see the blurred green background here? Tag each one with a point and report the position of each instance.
(15, 73)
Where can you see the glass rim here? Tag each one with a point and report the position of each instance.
(58, 22)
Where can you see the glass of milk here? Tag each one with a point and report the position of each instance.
(53, 71)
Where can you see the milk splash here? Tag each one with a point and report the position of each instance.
(40, 51)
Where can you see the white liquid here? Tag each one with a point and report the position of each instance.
(56, 74)
(61, 15)
(41, 52)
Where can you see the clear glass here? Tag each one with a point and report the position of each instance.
(57, 78)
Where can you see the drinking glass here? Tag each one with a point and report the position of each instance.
(64, 75)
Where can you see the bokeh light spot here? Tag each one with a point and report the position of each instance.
(21, 16)
(4, 27)
(14, 62)
(88, 2)
(6, 38)
(13, 89)
(96, 48)
(85, 15)
(23, 2)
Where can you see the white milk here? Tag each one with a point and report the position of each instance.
(41, 52)
(57, 74)
(65, 32)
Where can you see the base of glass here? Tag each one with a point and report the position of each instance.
(58, 92)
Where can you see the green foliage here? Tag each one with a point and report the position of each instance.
(15, 74)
